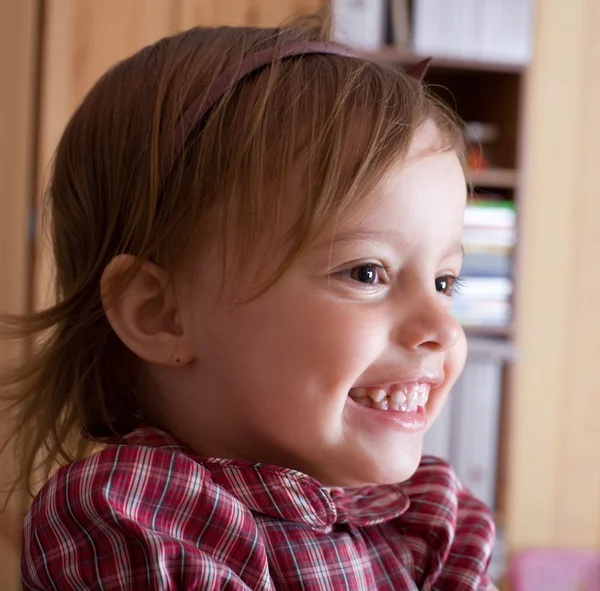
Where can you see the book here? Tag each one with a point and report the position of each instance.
(400, 23)
(359, 23)
(485, 288)
(506, 30)
(427, 38)
(490, 214)
(467, 430)
(499, 237)
(482, 313)
(446, 28)
(474, 434)
(438, 439)
(490, 223)
(492, 30)
(487, 263)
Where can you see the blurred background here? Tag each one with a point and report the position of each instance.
(523, 426)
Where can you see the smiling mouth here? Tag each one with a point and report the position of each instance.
(397, 397)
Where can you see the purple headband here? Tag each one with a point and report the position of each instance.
(253, 62)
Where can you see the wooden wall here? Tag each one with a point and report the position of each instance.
(18, 85)
(554, 484)
(83, 38)
(51, 52)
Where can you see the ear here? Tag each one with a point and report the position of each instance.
(143, 312)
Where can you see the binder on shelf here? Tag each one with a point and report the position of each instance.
(488, 238)
(506, 30)
(400, 23)
(487, 30)
(490, 214)
(446, 28)
(437, 440)
(486, 288)
(487, 263)
(360, 23)
(483, 313)
(476, 413)
(466, 432)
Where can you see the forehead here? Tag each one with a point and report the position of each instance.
(422, 197)
(427, 141)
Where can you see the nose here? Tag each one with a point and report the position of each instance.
(428, 326)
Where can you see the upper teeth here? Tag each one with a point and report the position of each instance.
(406, 398)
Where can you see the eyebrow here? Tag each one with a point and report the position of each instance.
(393, 238)
(357, 236)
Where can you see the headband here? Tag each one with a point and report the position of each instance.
(202, 104)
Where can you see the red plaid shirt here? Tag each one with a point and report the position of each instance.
(151, 515)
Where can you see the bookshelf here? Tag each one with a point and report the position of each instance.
(494, 178)
(18, 28)
(491, 94)
(488, 93)
(405, 57)
(504, 332)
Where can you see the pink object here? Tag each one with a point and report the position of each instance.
(251, 63)
(555, 570)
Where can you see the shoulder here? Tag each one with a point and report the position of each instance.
(446, 518)
(435, 481)
(150, 486)
(437, 493)
(127, 479)
(127, 509)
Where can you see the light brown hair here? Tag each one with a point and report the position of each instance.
(349, 118)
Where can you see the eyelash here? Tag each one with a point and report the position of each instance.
(455, 282)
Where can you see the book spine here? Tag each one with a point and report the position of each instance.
(474, 444)
(437, 439)
(359, 23)
(506, 30)
(426, 30)
(466, 31)
(400, 23)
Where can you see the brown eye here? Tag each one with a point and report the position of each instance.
(448, 285)
(368, 274)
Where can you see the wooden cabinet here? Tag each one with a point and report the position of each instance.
(51, 52)
(258, 13)
(18, 91)
(553, 465)
(83, 38)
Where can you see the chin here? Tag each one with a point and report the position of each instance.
(390, 470)
(394, 474)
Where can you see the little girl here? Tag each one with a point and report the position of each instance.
(257, 237)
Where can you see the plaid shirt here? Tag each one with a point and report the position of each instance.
(150, 514)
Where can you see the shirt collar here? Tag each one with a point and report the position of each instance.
(287, 494)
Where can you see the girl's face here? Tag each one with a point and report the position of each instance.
(292, 378)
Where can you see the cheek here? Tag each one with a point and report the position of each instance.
(316, 339)
(456, 359)
(343, 335)
(296, 342)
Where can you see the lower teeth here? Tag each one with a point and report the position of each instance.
(386, 405)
